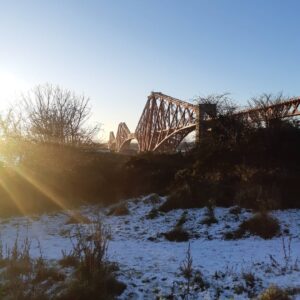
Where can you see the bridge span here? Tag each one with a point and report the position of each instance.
(166, 121)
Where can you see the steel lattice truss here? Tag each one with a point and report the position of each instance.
(290, 108)
(123, 134)
(166, 121)
(112, 141)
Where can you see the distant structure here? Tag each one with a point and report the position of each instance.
(166, 121)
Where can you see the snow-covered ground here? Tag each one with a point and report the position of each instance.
(149, 264)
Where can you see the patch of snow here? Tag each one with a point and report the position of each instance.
(149, 264)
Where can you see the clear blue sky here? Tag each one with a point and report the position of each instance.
(117, 52)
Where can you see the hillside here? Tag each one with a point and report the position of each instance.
(149, 264)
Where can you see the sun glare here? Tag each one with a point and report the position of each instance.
(11, 86)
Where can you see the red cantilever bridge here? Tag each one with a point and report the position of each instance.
(166, 121)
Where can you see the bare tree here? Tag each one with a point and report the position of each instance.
(10, 125)
(224, 104)
(11, 135)
(57, 115)
(265, 109)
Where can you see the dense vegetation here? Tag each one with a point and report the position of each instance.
(54, 162)
(54, 176)
(256, 167)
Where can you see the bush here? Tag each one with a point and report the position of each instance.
(177, 234)
(179, 198)
(94, 277)
(44, 273)
(77, 218)
(261, 224)
(182, 219)
(233, 235)
(152, 199)
(119, 210)
(235, 210)
(68, 260)
(101, 287)
(209, 220)
(249, 279)
(274, 293)
(153, 213)
(210, 216)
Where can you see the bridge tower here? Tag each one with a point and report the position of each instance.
(204, 113)
(112, 141)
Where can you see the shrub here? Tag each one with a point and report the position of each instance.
(274, 293)
(18, 260)
(102, 287)
(180, 197)
(182, 219)
(76, 218)
(68, 260)
(199, 281)
(194, 279)
(90, 247)
(210, 216)
(177, 234)
(152, 199)
(153, 213)
(47, 273)
(261, 224)
(94, 274)
(233, 235)
(209, 220)
(235, 210)
(186, 269)
(249, 279)
(119, 210)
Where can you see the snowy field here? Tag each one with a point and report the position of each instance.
(150, 265)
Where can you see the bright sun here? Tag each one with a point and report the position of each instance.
(11, 86)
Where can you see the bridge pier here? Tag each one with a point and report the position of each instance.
(204, 113)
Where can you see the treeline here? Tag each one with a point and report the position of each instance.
(60, 176)
(50, 160)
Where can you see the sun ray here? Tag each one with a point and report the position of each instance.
(27, 175)
(14, 196)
